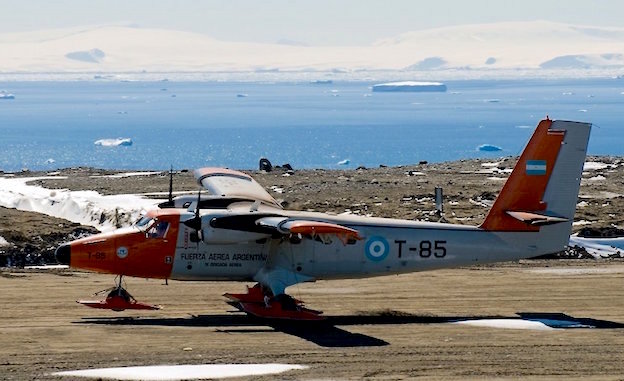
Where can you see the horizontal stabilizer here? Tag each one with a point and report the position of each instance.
(536, 219)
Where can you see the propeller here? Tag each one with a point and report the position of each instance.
(195, 223)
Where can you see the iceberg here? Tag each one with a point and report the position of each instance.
(410, 86)
(113, 142)
(344, 162)
(489, 148)
(5, 95)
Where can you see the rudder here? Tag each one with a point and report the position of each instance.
(543, 187)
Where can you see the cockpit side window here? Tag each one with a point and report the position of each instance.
(144, 222)
(158, 230)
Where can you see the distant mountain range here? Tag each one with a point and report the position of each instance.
(505, 46)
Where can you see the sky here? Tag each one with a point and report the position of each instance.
(313, 22)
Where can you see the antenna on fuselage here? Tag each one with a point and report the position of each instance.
(439, 204)
(171, 186)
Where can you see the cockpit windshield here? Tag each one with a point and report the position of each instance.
(144, 223)
(158, 230)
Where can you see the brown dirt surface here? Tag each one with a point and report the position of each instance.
(393, 327)
(386, 328)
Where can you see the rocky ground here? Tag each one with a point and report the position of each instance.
(470, 186)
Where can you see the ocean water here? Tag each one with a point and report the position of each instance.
(53, 125)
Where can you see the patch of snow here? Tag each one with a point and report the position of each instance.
(113, 142)
(410, 86)
(497, 178)
(595, 165)
(507, 324)
(577, 270)
(84, 207)
(47, 267)
(581, 223)
(182, 372)
(492, 164)
(599, 247)
(4, 242)
(127, 174)
(277, 189)
(597, 178)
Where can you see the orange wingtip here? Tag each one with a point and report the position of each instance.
(315, 227)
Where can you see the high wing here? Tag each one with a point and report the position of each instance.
(229, 183)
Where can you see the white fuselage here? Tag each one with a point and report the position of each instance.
(389, 246)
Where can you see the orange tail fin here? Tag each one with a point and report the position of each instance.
(543, 186)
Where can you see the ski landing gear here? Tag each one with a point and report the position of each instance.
(117, 299)
(260, 302)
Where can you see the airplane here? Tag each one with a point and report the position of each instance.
(241, 233)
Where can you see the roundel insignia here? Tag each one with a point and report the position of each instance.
(122, 252)
(377, 248)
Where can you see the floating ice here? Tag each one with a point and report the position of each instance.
(50, 161)
(582, 110)
(489, 148)
(182, 372)
(344, 162)
(491, 100)
(241, 95)
(5, 95)
(113, 142)
(410, 86)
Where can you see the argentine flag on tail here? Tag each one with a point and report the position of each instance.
(536, 167)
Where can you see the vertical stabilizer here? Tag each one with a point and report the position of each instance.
(543, 187)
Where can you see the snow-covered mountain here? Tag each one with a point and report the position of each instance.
(509, 45)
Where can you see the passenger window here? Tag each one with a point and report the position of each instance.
(159, 230)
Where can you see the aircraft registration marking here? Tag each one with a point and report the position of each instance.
(424, 249)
